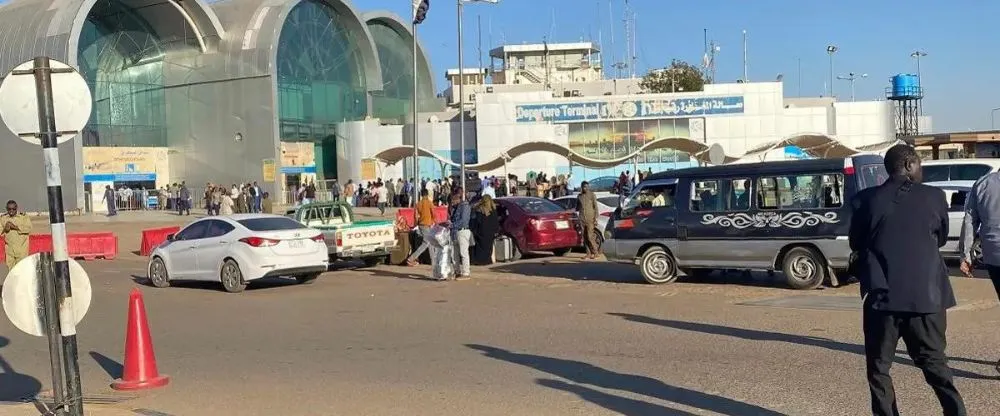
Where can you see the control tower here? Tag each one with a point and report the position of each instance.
(907, 94)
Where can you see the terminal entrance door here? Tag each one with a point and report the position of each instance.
(326, 158)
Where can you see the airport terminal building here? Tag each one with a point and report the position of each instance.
(281, 91)
(210, 92)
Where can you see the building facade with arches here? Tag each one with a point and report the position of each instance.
(199, 91)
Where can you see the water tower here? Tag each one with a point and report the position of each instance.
(905, 91)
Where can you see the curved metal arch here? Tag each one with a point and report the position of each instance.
(696, 149)
(369, 53)
(196, 13)
(403, 28)
(819, 145)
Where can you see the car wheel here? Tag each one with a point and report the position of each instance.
(158, 273)
(561, 251)
(309, 278)
(232, 277)
(804, 268)
(658, 266)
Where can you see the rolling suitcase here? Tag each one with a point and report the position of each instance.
(503, 249)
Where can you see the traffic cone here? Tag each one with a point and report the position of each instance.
(140, 361)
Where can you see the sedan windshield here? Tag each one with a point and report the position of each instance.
(271, 224)
(537, 205)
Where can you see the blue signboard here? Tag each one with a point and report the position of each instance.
(120, 177)
(629, 109)
(294, 170)
(795, 152)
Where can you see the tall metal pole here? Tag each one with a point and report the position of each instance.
(52, 331)
(461, 94)
(53, 181)
(416, 132)
(799, 77)
(746, 67)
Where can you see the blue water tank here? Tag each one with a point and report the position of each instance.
(905, 85)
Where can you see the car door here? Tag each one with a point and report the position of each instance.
(183, 250)
(213, 248)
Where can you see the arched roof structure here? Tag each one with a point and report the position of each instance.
(52, 27)
(260, 21)
(403, 28)
(816, 145)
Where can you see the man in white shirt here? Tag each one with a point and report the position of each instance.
(382, 197)
(431, 188)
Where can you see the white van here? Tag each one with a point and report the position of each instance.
(950, 170)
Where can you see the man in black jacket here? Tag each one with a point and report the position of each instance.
(896, 231)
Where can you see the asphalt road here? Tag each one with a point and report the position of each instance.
(546, 336)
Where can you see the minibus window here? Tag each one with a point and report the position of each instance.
(801, 192)
(717, 195)
(650, 196)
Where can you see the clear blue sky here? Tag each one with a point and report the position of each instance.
(875, 37)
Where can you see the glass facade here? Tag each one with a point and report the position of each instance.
(321, 80)
(121, 58)
(395, 53)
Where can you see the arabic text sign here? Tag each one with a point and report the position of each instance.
(629, 109)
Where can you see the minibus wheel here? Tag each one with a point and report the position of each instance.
(804, 268)
(658, 266)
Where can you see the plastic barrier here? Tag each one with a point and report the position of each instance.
(408, 215)
(440, 214)
(154, 237)
(85, 246)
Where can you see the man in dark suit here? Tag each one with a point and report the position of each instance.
(896, 231)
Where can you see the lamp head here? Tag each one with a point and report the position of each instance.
(831, 49)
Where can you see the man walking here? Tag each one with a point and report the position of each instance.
(586, 206)
(982, 213)
(461, 235)
(896, 231)
(184, 200)
(16, 231)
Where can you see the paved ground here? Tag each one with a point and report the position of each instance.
(540, 337)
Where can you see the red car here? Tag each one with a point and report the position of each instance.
(538, 224)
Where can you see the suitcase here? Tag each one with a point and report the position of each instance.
(503, 249)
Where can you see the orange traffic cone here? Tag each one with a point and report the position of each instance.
(140, 361)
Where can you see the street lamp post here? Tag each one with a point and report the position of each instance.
(461, 87)
(831, 49)
(852, 77)
(917, 54)
(993, 118)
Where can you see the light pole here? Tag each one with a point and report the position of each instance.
(461, 86)
(831, 49)
(852, 77)
(917, 54)
(993, 118)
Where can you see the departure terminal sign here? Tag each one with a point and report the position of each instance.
(629, 109)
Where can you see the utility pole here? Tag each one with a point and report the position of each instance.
(831, 49)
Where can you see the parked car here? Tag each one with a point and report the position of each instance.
(347, 239)
(955, 193)
(950, 170)
(537, 224)
(238, 249)
(791, 216)
(607, 203)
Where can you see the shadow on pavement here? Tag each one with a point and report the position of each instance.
(757, 335)
(15, 387)
(109, 365)
(618, 404)
(583, 373)
(265, 283)
(573, 270)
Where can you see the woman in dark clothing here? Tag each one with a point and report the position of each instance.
(484, 225)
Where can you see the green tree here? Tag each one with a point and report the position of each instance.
(679, 76)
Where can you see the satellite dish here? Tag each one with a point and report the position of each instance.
(716, 155)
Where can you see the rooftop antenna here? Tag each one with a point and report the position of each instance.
(708, 60)
(614, 57)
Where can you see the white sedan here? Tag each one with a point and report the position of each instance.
(238, 249)
(606, 205)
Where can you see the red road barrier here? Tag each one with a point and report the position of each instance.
(140, 370)
(408, 215)
(86, 246)
(154, 237)
(440, 214)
